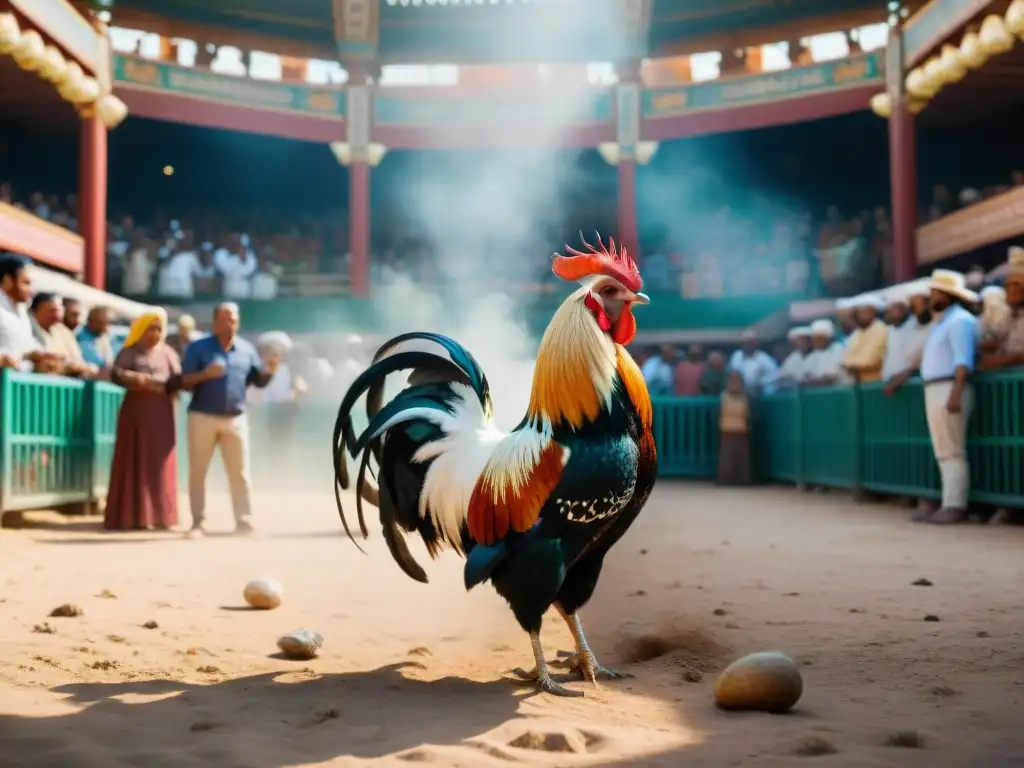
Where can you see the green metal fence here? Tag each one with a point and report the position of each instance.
(57, 439)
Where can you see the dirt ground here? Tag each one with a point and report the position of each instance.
(413, 673)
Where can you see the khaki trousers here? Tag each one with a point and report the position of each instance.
(949, 441)
(231, 434)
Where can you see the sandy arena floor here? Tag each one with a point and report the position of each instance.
(412, 673)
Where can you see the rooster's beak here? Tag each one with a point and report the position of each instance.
(642, 298)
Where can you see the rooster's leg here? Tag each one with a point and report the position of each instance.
(583, 661)
(540, 674)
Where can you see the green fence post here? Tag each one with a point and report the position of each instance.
(6, 458)
(92, 420)
(798, 443)
(858, 442)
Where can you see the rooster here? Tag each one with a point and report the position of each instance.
(534, 510)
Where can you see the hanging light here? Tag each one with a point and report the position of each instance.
(375, 153)
(54, 66)
(610, 152)
(71, 85)
(30, 51)
(1015, 18)
(881, 104)
(918, 84)
(645, 151)
(934, 74)
(111, 110)
(89, 92)
(916, 106)
(971, 53)
(10, 33)
(342, 151)
(953, 68)
(995, 37)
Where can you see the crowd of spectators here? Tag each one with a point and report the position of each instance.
(245, 254)
(937, 329)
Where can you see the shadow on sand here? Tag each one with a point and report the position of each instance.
(262, 721)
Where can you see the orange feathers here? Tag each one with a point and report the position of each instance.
(636, 389)
(611, 260)
(497, 503)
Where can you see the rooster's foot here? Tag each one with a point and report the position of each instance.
(546, 685)
(586, 666)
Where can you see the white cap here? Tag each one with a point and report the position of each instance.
(920, 288)
(993, 290)
(800, 332)
(842, 304)
(896, 296)
(868, 301)
(823, 328)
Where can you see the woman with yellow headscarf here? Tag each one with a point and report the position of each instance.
(143, 491)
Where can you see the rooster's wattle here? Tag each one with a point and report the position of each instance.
(534, 510)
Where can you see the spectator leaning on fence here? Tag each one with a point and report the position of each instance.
(57, 338)
(907, 336)
(946, 364)
(846, 317)
(1008, 351)
(712, 381)
(658, 371)
(791, 374)
(94, 339)
(686, 380)
(865, 351)
(994, 323)
(757, 367)
(824, 365)
(18, 347)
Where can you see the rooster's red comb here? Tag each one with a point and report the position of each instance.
(611, 261)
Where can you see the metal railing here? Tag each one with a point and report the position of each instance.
(57, 440)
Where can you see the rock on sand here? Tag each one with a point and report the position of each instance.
(769, 681)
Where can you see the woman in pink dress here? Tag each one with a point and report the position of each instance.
(143, 492)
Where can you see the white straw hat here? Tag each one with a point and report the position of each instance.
(953, 283)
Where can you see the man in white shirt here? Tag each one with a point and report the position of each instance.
(792, 373)
(237, 264)
(907, 336)
(658, 371)
(824, 366)
(177, 274)
(18, 347)
(757, 367)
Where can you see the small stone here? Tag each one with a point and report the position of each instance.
(301, 644)
(106, 594)
(931, 617)
(922, 583)
(692, 676)
(905, 740)
(720, 612)
(982, 633)
(264, 594)
(67, 611)
(643, 551)
(768, 681)
(46, 628)
(815, 746)
(150, 625)
(731, 625)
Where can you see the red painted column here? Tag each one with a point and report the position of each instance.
(627, 225)
(359, 226)
(92, 199)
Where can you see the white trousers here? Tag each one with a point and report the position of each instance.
(949, 441)
(231, 434)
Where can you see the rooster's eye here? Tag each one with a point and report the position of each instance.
(608, 290)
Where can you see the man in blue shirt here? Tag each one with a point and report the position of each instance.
(216, 415)
(946, 364)
(94, 339)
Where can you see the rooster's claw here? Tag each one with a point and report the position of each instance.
(586, 666)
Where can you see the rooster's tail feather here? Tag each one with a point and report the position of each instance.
(443, 375)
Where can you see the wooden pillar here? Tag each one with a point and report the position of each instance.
(627, 225)
(358, 128)
(903, 182)
(359, 226)
(628, 136)
(92, 199)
